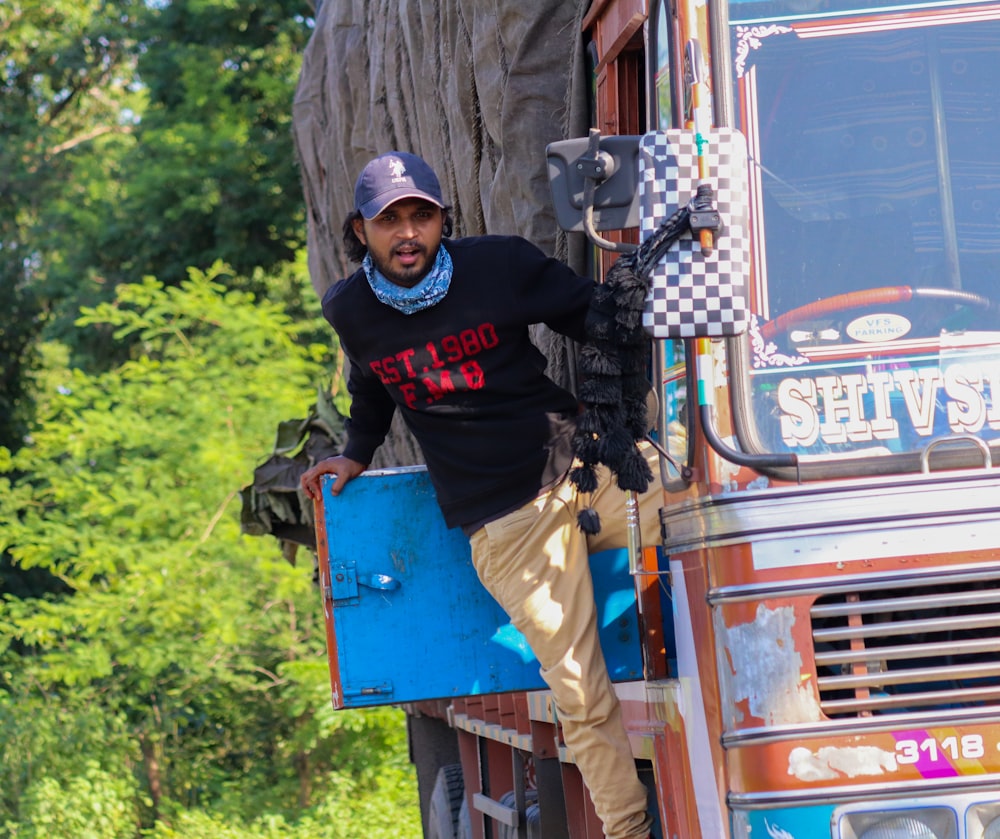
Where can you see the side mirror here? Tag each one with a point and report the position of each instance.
(612, 183)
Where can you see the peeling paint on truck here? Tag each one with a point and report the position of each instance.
(759, 666)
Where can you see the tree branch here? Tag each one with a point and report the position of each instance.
(87, 136)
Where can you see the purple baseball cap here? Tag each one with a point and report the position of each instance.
(392, 176)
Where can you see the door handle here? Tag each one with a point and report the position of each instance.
(380, 582)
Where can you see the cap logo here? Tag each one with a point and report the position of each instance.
(397, 169)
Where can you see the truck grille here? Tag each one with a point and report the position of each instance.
(890, 649)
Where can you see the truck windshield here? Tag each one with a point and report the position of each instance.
(874, 140)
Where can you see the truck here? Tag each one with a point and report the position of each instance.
(813, 648)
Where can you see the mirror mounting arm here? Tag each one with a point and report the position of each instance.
(597, 166)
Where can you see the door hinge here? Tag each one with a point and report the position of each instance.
(383, 688)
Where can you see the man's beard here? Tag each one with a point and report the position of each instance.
(407, 277)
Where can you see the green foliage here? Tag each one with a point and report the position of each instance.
(55, 55)
(93, 805)
(216, 137)
(51, 743)
(160, 674)
(138, 138)
(193, 656)
(209, 173)
(17, 333)
(358, 798)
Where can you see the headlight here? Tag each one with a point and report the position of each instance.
(911, 823)
(899, 827)
(983, 820)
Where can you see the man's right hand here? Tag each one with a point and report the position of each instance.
(342, 467)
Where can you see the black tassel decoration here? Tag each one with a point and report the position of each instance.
(616, 443)
(599, 362)
(602, 390)
(613, 362)
(584, 477)
(635, 473)
(589, 521)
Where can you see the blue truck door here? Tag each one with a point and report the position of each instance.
(406, 616)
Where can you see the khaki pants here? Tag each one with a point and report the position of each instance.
(535, 563)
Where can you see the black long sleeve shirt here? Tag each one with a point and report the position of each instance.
(470, 385)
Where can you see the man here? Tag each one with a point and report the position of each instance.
(438, 330)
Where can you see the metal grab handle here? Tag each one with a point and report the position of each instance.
(634, 530)
(925, 454)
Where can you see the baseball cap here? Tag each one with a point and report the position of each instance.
(392, 176)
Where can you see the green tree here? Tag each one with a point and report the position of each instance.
(216, 158)
(66, 81)
(210, 170)
(205, 648)
(139, 138)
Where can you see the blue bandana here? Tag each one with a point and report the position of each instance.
(430, 290)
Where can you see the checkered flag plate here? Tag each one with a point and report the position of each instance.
(692, 295)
